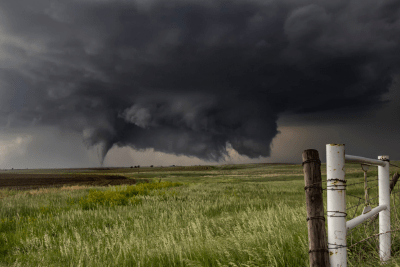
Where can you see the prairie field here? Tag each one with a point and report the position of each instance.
(225, 215)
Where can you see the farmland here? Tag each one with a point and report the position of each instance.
(226, 215)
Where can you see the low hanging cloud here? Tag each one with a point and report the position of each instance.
(190, 77)
(13, 146)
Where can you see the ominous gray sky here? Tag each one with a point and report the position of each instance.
(196, 81)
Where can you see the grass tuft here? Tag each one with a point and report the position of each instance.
(121, 196)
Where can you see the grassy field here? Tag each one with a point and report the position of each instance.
(228, 215)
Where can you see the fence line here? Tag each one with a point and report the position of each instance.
(336, 211)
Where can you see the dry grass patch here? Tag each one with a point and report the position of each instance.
(6, 193)
(56, 189)
(33, 192)
(279, 174)
(74, 187)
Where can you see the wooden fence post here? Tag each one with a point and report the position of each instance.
(317, 242)
(394, 181)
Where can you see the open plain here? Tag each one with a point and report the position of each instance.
(225, 215)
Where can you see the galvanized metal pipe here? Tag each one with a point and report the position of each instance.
(357, 159)
(384, 216)
(362, 218)
(336, 204)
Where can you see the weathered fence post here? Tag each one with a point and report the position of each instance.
(394, 181)
(385, 242)
(318, 250)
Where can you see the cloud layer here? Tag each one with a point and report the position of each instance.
(188, 77)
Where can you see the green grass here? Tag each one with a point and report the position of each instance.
(252, 215)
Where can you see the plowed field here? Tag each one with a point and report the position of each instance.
(34, 181)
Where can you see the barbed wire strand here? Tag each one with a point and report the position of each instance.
(373, 222)
(366, 231)
(394, 165)
(374, 236)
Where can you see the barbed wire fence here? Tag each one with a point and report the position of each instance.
(363, 240)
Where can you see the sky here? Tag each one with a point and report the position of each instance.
(192, 82)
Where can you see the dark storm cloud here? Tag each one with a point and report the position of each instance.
(186, 77)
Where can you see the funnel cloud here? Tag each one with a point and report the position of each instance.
(192, 77)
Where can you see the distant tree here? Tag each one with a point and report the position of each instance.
(131, 167)
(151, 166)
(138, 166)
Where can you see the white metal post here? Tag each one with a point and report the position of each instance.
(384, 216)
(336, 206)
(363, 217)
